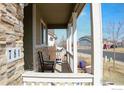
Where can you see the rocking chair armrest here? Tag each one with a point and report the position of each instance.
(49, 62)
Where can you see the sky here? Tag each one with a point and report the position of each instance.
(111, 14)
(61, 34)
(83, 22)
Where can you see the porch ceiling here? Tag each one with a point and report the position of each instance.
(58, 15)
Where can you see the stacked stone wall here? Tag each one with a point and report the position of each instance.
(11, 36)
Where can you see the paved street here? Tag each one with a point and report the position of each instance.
(119, 56)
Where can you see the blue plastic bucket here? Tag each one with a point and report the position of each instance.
(82, 64)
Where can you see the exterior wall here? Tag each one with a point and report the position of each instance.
(37, 36)
(28, 37)
(38, 46)
(11, 35)
(38, 27)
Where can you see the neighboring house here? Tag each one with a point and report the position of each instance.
(107, 44)
(51, 38)
(120, 43)
(60, 53)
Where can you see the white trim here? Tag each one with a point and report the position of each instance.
(30, 76)
(97, 57)
(67, 39)
(70, 39)
(34, 35)
(70, 53)
(75, 41)
(68, 43)
(75, 51)
(47, 79)
(13, 54)
(44, 32)
(69, 31)
(46, 36)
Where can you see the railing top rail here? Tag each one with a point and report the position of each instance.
(57, 75)
(71, 54)
(31, 76)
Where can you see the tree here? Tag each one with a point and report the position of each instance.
(115, 32)
(62, 42)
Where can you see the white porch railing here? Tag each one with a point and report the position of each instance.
(36, 78)
(70, 60)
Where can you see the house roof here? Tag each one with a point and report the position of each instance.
(52, 34)
(58, 15)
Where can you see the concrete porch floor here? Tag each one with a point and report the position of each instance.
(62, 67)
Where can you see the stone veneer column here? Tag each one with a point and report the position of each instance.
(11, 35)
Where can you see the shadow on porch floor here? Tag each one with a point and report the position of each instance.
(62, 68)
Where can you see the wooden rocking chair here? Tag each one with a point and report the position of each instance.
(45, 63)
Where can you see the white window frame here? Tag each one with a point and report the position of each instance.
(44, 33)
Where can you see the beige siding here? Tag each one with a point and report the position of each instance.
(38, 27)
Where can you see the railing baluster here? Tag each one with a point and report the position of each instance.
(57, 84)
(38, 79)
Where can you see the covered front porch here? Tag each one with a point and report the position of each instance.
(60, 16)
